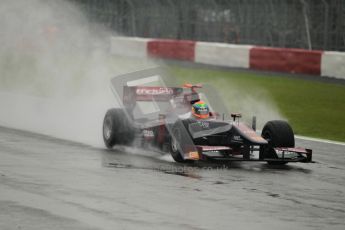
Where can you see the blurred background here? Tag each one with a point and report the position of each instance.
(307, 24)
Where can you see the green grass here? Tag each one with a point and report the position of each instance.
(313, 108)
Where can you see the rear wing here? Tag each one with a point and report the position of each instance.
(132, 94)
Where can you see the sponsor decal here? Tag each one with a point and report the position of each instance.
(237, 138)
(204, 124)
(148, 133)
(279, 151)
(194, 155)
(154, 91)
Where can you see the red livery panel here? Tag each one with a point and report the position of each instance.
(286, 60)
(172, 49)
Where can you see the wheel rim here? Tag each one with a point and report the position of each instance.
(107, 127)
(174, 142)
(174, 146)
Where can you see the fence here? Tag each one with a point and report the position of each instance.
(308, 24)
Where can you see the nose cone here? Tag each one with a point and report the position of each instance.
(249, 134)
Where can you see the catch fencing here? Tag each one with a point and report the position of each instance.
(307, 24)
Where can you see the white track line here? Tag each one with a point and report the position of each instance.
(320, 140)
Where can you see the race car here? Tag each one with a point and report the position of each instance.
(192, 123)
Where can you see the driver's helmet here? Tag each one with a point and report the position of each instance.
(200, 110)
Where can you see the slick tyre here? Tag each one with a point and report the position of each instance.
(278, 134)
(175, 146)
(117, 128)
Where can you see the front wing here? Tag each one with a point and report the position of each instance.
(249, 153)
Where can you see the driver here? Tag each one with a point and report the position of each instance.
(200, 110)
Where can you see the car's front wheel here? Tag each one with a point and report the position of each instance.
(175, 146)
(278, 134)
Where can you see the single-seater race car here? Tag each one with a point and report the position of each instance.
(192, 123)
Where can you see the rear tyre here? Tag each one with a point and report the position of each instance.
(117, 128)
(278, 134)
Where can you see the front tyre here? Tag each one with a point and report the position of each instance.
(175, 147)
(278, 134)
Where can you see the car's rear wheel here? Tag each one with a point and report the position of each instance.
(278, 134)
(117, 128)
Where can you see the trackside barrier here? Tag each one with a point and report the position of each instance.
(171, 49)
(129, 47)
(299, 61)
(286, 60)
(222, 54)
(333, 64)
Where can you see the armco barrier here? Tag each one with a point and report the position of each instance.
(286, 60)
(333, 64)
(130, 47)
(172, 49)
(222, 54)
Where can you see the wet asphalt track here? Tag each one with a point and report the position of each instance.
(47, 183)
